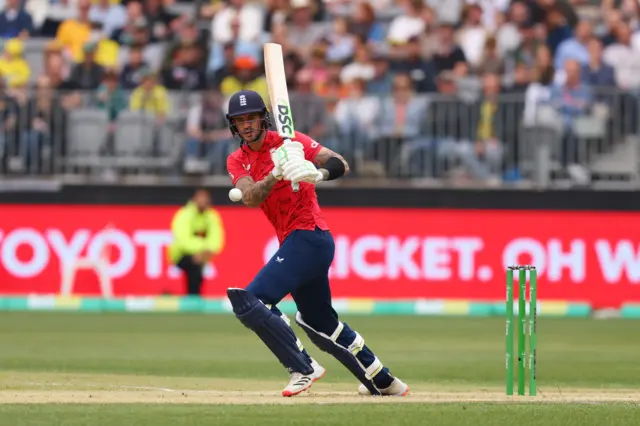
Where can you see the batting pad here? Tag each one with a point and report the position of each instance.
(345, 355)
(270, 328)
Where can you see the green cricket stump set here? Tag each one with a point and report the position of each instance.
(521, 327)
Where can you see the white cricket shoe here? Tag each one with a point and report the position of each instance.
(300, 383)
(397, 388)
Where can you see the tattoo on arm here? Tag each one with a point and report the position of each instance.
(254, 193)
(323, 156)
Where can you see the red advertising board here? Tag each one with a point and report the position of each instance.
(380, 253)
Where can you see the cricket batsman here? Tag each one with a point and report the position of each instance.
(264, 168)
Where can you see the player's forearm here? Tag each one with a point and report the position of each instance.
(334, 169)
(321, 163)
(257, 192)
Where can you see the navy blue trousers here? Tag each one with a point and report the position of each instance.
(301, 268)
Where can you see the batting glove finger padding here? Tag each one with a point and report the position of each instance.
(303, 171)
(282, 156)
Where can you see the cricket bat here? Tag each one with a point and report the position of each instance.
(278, 94)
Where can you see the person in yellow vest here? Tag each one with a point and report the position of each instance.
(198, 235)
(13, 68)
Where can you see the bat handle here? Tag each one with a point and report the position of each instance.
(294, 185)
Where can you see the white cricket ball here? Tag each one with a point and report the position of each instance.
(235, 195)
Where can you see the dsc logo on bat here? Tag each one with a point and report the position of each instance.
(284, 119)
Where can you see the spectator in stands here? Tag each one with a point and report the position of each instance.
(184, 64)
(87, 75)
(558, 29)
(44, 119)
(216, 77)
(280, 35)
(624, 57)
(13, 68)
(107, 51)
(401, 116)
(332, 86)
(341, 42)
(422, 71)
(110, 97)
(356, 116)
(317, 66)
(134, 19)
(448, 55)
(525, 54)
(15, 21)
(612, 19)
(131, 74)
(150, 97)
(9, 131)
(429, 37)
(249, 17)
(483, 157)
(576, 47)
(74, 33)
(276, 13)
(309, 108)
(408, 24)
(241, 47)
(446, 126)
(301, 28)
(246, 76)
(543, 70)
(208, 131)
(361, 67)
(111, 15)
(491, 61)
(208, 9)
(572, 99)
(186, 71)
(188, 35)
(596, 73)
(162, 23)
(292, 64)
(138, 35)
(57, 11)
(363, 24)
(508, 35)
(539, 90)
(382, 80)
(472, 35)
(56, 70)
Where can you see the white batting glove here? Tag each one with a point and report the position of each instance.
(303, 171)
(285, 153)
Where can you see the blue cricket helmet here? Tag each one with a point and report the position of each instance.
(246, 102)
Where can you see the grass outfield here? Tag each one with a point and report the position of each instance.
(175, 369)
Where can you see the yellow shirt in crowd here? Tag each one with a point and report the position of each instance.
(154, 102)
(106, 54)
(485, 126)
(231, 85)
(15, 71)
(73, 35)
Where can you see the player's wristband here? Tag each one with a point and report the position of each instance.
(335, 167)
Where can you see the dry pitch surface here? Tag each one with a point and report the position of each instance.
(114, 389)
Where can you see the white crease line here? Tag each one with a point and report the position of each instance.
(149, 388)
(92, 385)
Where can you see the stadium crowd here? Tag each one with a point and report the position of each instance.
(456, 79)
